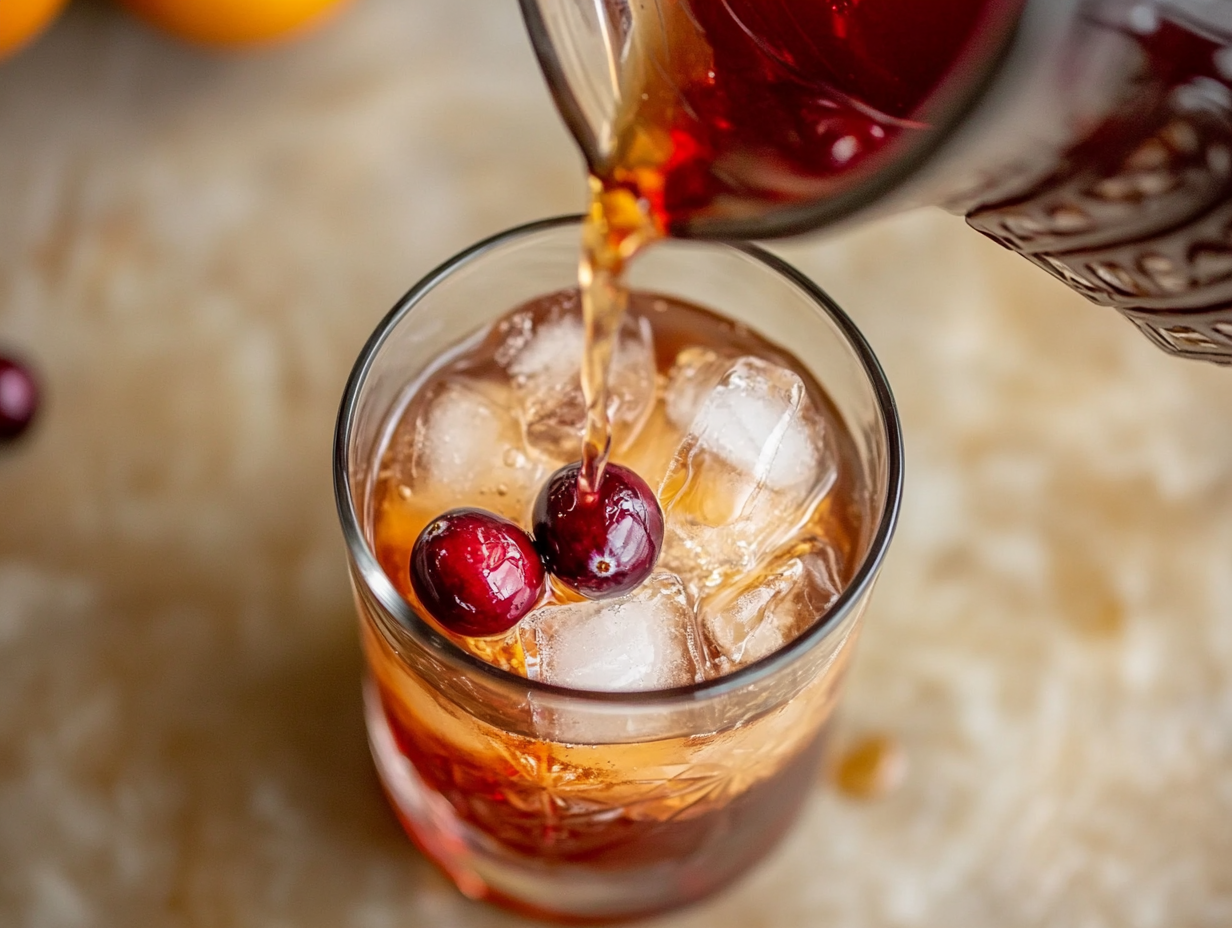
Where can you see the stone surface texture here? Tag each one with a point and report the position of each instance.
(193, 248)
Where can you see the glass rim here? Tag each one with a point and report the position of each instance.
(382, 589)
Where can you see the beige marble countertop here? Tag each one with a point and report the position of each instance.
(193, 247)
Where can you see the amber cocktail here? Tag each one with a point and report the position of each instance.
(607, 759)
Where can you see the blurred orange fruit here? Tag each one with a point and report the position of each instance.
(231, 22)
(22, 20)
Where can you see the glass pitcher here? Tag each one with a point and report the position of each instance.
(1094, 137)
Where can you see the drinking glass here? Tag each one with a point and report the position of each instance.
(589, 806)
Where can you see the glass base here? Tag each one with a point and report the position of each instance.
(555, 891)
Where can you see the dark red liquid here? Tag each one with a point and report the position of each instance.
(494, 799)
(771, 102)
(887, 54)
(705, 849)
(756, 106)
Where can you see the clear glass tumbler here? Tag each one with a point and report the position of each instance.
(584, 806)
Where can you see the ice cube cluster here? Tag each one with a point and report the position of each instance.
(740, 456)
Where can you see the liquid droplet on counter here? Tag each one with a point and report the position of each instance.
(871, 767)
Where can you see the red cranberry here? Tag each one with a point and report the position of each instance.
(476, 573)
(19, 398)
(602, 544)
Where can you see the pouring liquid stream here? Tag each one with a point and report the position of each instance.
(613, 231)
(729, 107)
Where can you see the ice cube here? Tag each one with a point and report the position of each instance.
(768, 608)
(468, 450)
(754, 462)
(754, 415)
(647, 640)
(543, 356)
(695, 373)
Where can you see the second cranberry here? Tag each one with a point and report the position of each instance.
(603, 544)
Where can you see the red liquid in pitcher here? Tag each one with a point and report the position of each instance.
(747, 107)
(744, 105)
(737, 107)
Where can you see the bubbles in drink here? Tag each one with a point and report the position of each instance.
(542, 356)
(753, 464)
(645, 641)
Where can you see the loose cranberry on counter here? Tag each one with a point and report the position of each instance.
(19, 398)
(476, 573)
(603, 544)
